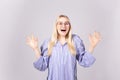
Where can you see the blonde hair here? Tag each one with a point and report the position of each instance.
(54, 38)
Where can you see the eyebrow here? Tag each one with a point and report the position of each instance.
(65, 21)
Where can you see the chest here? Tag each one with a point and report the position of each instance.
(61, 55)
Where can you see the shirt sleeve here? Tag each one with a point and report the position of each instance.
(42, 63)
(84, 58)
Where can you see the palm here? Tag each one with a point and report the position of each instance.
(94, 39)
(32, 41)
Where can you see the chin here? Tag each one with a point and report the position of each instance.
(63, 33)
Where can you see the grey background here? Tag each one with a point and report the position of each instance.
(20, 18)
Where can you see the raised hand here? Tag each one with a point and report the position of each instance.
(94, 40)
(32, 42)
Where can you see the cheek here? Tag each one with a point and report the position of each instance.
(58, 29)
(68, 28)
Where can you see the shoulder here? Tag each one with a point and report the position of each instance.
(78, 42)
(76, 38)
(45, 42)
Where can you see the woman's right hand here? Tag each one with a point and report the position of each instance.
(32, 42)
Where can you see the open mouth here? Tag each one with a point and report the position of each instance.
(63, 30)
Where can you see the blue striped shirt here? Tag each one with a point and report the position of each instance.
(62, 65)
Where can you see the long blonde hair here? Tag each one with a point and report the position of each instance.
(54, 38)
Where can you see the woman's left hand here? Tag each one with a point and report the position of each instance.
(94, 39)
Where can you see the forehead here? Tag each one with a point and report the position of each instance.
(62, 19)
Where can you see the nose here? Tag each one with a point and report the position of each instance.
(63, 25)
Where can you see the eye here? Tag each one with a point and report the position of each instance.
(59, 23)
(66, 23)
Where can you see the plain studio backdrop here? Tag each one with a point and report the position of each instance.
(20, 18)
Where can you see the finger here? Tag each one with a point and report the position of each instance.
(27, 39)
(98, 35)
(28, 42)
(95, 34)
(36, 39)
(90, 36)
(32, 37)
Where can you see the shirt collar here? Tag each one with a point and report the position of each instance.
(58, 43)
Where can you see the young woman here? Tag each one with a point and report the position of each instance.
(61, 52)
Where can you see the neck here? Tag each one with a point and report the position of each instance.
(62, 39)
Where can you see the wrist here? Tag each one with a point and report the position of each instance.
(36, 49)
(91, 48)
(37, 52)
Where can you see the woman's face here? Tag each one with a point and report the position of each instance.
(63, 26)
